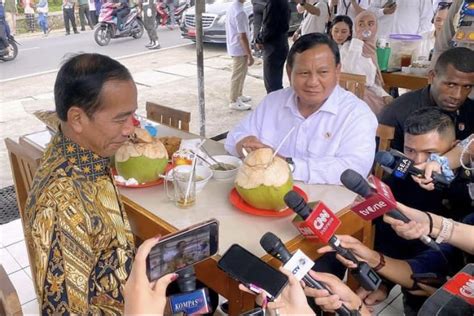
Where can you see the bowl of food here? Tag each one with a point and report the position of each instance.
(202, 175)
(227, 167)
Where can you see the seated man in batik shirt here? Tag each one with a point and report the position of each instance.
(75, 223)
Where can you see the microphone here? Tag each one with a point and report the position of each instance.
(322, 223)
(190, 301)
(378, 201)
(400, 166)
(455, 297)
(275, 247)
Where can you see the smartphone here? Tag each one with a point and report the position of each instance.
(251, 271)
(431, 279)
(183, 249)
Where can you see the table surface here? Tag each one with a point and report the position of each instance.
(404, 80)
(213, 202)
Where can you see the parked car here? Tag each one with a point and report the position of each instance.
(213, 20)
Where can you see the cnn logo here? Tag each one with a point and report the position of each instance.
(321, 220)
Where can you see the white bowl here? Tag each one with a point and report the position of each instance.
(203, 172)
(228, 174)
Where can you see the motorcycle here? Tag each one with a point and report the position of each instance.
(163, 12)
(11, 51)
(107, 27)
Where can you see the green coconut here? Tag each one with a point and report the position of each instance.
(263, 182)
(143, 158)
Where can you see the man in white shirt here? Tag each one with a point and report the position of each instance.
(333, 129)
(402, 16)
(316, 15)
(384, 10)
(238, 46)
(349, 7)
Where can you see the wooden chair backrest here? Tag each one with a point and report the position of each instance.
(385, 135)
(9, 301)
(353, 83)
(24, 162)
(168, 116)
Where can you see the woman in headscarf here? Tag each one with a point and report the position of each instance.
(359, 57)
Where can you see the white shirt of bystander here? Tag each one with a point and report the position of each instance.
(340, 135)
(314, 23)
(236, 23)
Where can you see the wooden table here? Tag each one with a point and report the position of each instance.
(151, 213)
(404, 80)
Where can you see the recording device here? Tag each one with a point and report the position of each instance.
(378, 200)
(455, 298)
(190, 301)
(182, 249)
(320, 222)
(400, 166)
(251, 271)
(275, 247)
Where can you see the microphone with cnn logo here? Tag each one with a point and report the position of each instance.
(455, 297)
(320, 223)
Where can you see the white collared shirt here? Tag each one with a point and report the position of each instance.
(236, 23)
(340, 135)
(410, 17)
(345, 7)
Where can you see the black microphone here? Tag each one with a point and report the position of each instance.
(400, 166)
(357, 184)
(366, 276)
(275, 247)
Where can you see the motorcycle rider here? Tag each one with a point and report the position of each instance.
(149, 20)
(123, 9)
(4, 28)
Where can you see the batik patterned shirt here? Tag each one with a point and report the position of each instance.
(79, 233)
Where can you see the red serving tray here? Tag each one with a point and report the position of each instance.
(243, 206)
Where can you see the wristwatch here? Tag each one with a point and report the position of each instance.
(291, 164)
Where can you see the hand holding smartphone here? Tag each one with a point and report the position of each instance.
(183, 249)
(252, 272)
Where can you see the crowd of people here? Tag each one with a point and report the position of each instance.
(84, 251)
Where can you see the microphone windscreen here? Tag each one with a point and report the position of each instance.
(269, 242)
(186, 279)
(355, 182)
(296, 202)
(385, 158)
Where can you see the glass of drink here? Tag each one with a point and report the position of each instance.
(184, 193)
(405, 60)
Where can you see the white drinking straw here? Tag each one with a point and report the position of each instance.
(191, 178)
(282, 142)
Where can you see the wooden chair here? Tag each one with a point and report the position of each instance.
(385, 135)
(168, 116)
(353, 83)
(24, 162)
(9, 302)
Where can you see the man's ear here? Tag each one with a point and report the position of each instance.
(288, 72)
(76, 119)
(431, 75)
(338, 72)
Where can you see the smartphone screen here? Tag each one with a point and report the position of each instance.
(247, 268)
(183, 249)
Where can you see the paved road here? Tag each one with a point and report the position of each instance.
(38, 55)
